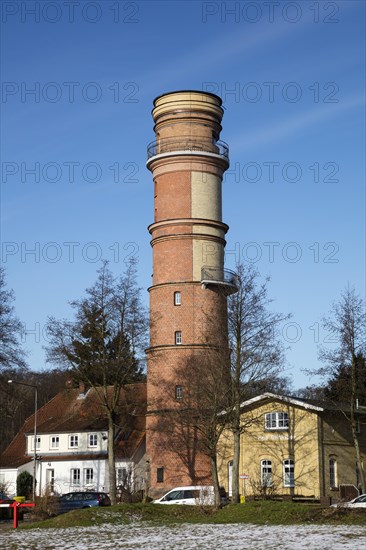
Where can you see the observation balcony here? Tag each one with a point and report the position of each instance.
(218, 277)
(189, 145)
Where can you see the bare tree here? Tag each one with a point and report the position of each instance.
(11, 353)
(97, 345)
(12, 363)
(200, 416)
(257, 354)
(346, 326)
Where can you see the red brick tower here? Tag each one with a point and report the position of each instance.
(188, 309)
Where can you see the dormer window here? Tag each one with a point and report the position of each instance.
(38, 444)
(54, 442)
(276, 421)
(92, 440)
(73, 441)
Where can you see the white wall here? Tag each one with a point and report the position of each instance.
(64, 443)
(62, 475)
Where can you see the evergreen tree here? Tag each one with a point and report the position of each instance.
(96, 346)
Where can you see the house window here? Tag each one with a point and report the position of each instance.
(177, 298)
(159, 475)
(73, 440)
(358, 426)
(333, 474)
(288, 473)
(266, 473)
(178, 392)
(276, 421)
(93, 440)
(178, 337)
(88, 476)
(75, 476)
(55, 442)
(38, 443)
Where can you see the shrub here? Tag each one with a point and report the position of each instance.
(24, 484)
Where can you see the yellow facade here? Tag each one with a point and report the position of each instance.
(291, 448)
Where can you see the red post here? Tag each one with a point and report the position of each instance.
(16, 506)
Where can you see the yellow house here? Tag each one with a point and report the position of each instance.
(291, 447)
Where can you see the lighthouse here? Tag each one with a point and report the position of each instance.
(190, 285)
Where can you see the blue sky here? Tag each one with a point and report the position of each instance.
(292, 79)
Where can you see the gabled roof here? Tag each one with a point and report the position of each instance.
(260, 399)
(70, 412)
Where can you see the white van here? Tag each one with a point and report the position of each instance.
(191, 494)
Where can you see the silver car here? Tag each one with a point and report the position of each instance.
(358, 502)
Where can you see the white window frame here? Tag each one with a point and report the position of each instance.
(179, 391)
(333, 472)
(288, 472)
(278, 420)
(93, 440)
(178, 337)
(266, 473)
(177, 298)
(73, 441)
(54, 441)
(75, 477)
(38, 443)
(88, 476)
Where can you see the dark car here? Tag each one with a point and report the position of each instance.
(5, 512)
(4, 499)
(86, 499)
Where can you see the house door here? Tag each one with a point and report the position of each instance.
(230, 477)
(50, 480)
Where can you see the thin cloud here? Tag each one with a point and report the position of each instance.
(292, 125)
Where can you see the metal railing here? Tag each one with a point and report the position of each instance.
(219, 275)
(167, 145)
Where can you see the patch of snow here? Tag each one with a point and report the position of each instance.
(187, 537)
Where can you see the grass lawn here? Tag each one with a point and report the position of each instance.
(259, 513)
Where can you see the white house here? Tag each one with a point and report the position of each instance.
(72, 443)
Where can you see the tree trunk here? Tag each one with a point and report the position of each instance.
(215, 479)
(361, 477)
(111, 461)
(236, 461)
(236, 424)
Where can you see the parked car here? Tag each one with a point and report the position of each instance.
(191, 495)
(5, 512)
(4, 499)
(86, 499)
(358, 502)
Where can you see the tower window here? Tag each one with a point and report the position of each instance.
(177, 299)
(159, 475)
(178, 337)
(178, 392)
